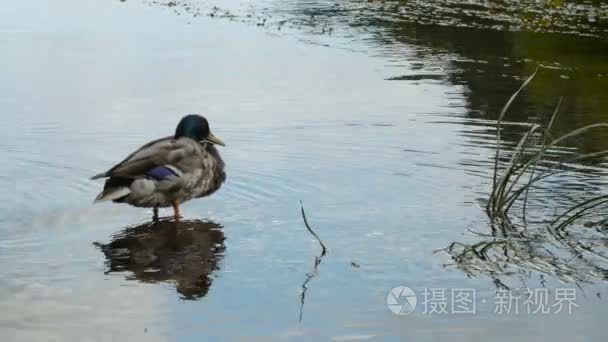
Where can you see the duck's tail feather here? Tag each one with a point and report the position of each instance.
(114, 189)
(112, 194)
(100, 175)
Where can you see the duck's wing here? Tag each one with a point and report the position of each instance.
(162, 152)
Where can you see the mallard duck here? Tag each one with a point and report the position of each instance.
(168, 171)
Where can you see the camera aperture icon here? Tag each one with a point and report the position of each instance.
(401, 300)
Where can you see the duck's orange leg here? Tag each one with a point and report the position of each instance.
(176, 214)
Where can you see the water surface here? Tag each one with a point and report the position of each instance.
(382, 124)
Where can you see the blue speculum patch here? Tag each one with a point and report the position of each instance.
(160, 172)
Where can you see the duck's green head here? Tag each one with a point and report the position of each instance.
(196, 127)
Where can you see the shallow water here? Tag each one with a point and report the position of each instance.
(382, 125)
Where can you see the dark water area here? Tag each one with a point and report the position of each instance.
(379, 115)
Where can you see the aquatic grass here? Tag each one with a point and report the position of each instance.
(554, 245)
(498, 185)
(576, 212)
(498, 257)
(507, 185)
(510, 188)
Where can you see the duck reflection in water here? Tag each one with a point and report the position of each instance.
(185, 253)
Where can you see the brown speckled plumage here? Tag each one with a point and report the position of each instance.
(168, 171)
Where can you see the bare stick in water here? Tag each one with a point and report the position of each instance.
(323, 249)
(310, 276)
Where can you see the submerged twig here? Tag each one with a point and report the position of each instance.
(318, 259)
(309, 277)
(323, 249)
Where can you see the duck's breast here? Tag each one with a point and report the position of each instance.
(213, 174)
